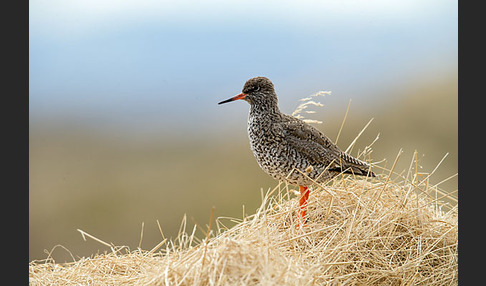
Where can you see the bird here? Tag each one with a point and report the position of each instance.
(287, 148)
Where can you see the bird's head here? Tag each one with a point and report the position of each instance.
(256, 91)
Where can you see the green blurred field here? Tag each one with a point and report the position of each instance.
(107, 186)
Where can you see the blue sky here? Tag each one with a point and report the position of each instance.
(111, 62)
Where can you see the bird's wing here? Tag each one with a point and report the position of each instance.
(318, 148)
(309, 141)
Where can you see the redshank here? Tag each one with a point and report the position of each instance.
(287, 148)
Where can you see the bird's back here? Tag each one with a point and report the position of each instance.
(287, 148)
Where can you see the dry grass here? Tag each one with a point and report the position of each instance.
(390, 230)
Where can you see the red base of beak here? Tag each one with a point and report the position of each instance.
(236, 97)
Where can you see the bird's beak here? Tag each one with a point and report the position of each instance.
(236, 97)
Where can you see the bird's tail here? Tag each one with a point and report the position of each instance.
(354, 170)
(351, 165)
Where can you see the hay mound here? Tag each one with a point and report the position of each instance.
(360, 232)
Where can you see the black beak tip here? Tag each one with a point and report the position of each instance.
(225, 101)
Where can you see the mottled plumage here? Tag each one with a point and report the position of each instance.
(283, 144)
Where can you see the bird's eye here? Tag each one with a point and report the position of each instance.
(256, 88)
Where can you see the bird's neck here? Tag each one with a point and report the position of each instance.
(264, 110)
(264, 107)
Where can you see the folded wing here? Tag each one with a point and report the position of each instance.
(319, 149)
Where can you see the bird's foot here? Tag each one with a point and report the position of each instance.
(302, 220)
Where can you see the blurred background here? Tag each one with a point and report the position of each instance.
(124, 123)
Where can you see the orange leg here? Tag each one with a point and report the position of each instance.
(304, 196)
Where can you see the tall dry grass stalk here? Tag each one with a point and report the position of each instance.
(306, 102)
